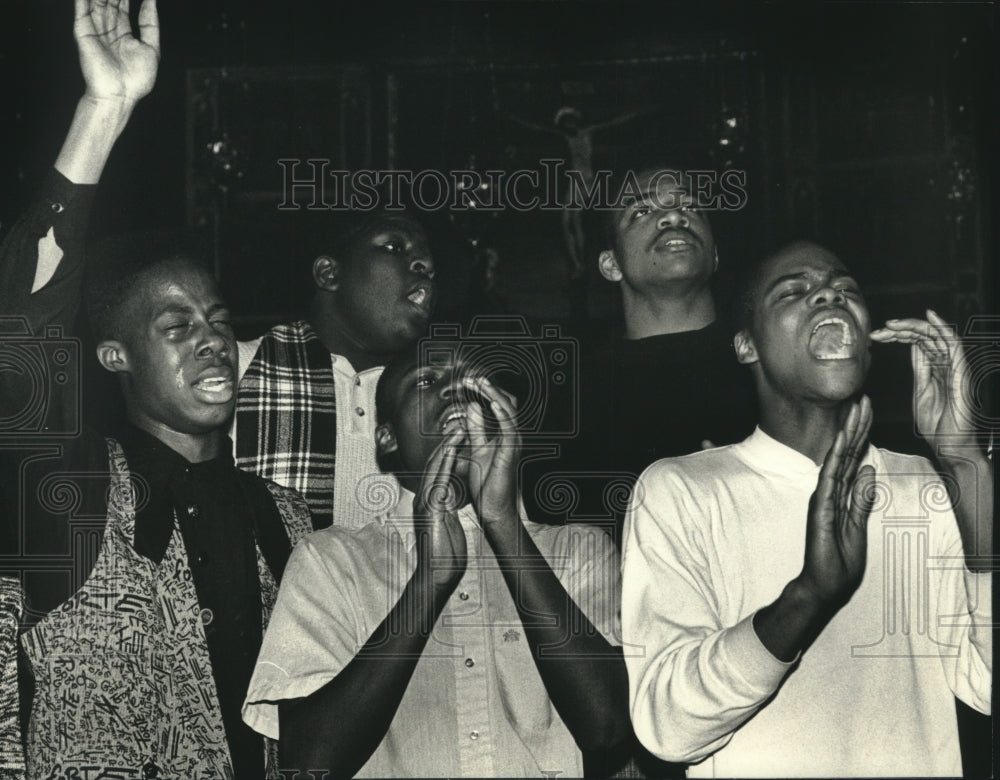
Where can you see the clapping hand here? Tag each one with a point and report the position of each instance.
(440, 538)
(836, 530)
(941, 390)
(494, 461)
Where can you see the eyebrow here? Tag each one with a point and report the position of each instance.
(390, 225)
(838, 273)
(176, 308)
(801, 275)
(649, 196)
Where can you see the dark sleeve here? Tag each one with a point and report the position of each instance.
(50, 464)
(64, 207)
(40, 358)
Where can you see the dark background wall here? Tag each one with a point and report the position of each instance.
(870, 127)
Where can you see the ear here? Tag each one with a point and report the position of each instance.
(717, 258)
(608, 265)
(385, 439)
(113, 356)
(326, 272)
(746, 352)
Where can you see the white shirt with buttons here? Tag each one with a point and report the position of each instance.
(476, 705)
(356, 499)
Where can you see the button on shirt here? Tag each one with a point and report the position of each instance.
(355, 497)
(41, 267)
(216, 525)
(476, 704)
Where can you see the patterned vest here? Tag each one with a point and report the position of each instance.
(11, 751)
(123, 680)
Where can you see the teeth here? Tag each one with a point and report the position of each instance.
(832, 339)
(418, 296)
(457, 415)
(848, 337)
(214, 385)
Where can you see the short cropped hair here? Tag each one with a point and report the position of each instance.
(609, 217)
(336, 233)
(118, 265)
(747, 290)
(385, 403)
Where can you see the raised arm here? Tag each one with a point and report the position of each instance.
(945, 418)
(41, 257)
(119, 69)
(339, 726)
(584, 675)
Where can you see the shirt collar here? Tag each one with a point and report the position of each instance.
(767, 454)
(157, 468)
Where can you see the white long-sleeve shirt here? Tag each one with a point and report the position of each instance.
(712, 537)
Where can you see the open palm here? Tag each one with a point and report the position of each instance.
(941, 390)
(836, 528)
(116, 64)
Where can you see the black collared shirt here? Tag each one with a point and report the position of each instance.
(54, 472)
(215, 514)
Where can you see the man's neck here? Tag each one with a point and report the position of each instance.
(659, 314)
(193, 447)
(808, 428)
(338, 340)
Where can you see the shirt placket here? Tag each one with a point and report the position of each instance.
(355, 439)
(469, 617)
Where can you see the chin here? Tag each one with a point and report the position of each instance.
(211, 420)
(417, 324)
(404, 337)
(841, 391)
(686, 269)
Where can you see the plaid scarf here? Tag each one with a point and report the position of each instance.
(286, 416)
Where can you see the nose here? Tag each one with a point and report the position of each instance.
(212, 342)
(826, 294)
(423, 264)
(672, 218)
(452, 388)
